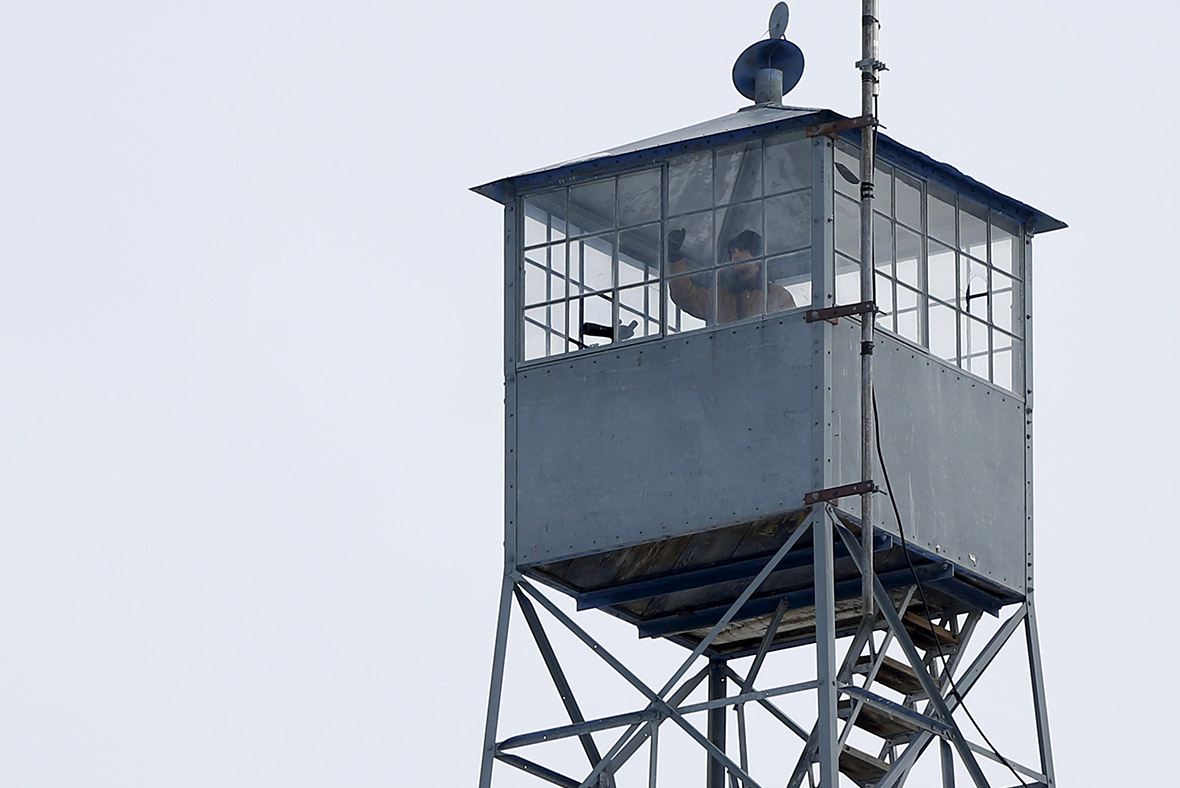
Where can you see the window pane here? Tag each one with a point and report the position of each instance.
(883, 190)
(847, 281)
(909, 251)
(909, 305)
(690, 183)
(940, 215)
(1002, 368)
(690, 302)
(535, 232)
(791, 272)
(535, 278)
(848, 227)
(788, 222)
(882, 244)
(1003, 246)
(975, 292)
(597, 312)
(973, 336)
(639, 255)
(639, 312)
(908, 201)
(541, 211)
(847, 166)
(591, 262)
(943, 331)
(535, 333)
(884, 298)
(639, 198)
(592, 207)
(557, 326)
(973, 229)
(739, 226)
(741, 291)
(737, 175)
(787, 165)
(941, 270)
(1004, 303)
(698, 249)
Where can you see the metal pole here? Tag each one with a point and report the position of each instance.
(869, 65)
(715, 776)
(825, 650)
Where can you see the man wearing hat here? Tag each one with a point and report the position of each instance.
(739, 286)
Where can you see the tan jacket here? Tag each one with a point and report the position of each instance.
(731, 304)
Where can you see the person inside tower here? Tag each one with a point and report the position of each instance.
(739, 285)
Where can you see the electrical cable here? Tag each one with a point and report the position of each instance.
(925, 604)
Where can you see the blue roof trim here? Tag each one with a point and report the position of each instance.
(755, 122)
(944, 174)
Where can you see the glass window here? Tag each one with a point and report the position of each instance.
(943, 331)
(883, 189)
(737, 175)
(909, 313)
(592, 207)
(639, 255)
(847, 280)
(848, 227)
(639, 198)
(909, 258)
(908, 201)
(787, 165)
(973, 229)
(792, 273)
(883, 295)
(672, 248)
(735, 221)
(883, 244)
(940, 215)
(847, 175)
(788, 222)
(1004, 233)
(592, 263)
(690, 183)
(941, 271)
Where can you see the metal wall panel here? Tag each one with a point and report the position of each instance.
(665, 438)
(954, 447)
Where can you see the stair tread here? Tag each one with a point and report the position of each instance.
(861, 766)
(894, 674)
(927, 635)
(878, 721)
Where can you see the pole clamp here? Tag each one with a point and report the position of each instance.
(832, 493)
(831, 313)
(866, 348)
(834, 128)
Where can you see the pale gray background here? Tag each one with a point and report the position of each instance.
(250, 376)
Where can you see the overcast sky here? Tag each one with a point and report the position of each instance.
(250, 352)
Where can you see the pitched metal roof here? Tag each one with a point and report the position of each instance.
(754, 121)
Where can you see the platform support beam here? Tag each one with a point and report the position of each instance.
(716, 726)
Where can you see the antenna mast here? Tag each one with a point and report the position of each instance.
(869, 66)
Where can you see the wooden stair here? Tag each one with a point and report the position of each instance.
(860, 766)
(893, 674)
(929, 636)
(878, 721)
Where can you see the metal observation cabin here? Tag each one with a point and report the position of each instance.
(683, 348)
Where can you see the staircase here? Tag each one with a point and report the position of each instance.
(894, 721)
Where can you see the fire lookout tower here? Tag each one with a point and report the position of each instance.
(684, 348)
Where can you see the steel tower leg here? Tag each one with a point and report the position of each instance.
(497, 683)
(825, 649)
(715, 776)
(1038, 689)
